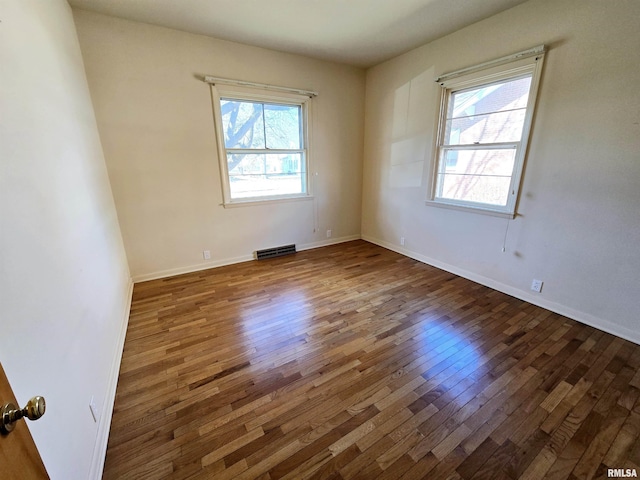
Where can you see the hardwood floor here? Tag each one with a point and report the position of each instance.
(352, 361)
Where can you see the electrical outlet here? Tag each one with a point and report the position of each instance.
(94, 409)
(206, 254)
(401, 240)
(536, 285)
(328, 233)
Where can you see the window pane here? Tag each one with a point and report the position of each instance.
(496, 97)
(474, 188)
(266, 174)
(242, 124)
(282, 124)
(482, 130)
(479, 162)
(486, 128)
(489, 114)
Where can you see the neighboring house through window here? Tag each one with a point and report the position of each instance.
(483, 131)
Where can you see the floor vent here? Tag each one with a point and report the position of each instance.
(275, 252)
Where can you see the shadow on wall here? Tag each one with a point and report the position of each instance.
(414, 112)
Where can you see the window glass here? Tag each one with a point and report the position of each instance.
(243, 124)
(490, 114)
(477, 175)
(484, 130)
(264, 147)
(260, 175)
(282, 126)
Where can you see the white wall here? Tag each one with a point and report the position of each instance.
(578, 224)
(156, 123)
(64, 281)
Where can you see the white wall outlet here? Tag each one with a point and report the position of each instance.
(206, 254)
(536, 286)
(328, 233)
(94, 409)
(401, 240)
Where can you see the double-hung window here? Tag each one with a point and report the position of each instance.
(485, 120)
(262, 144)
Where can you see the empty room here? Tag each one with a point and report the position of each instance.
(290, 239)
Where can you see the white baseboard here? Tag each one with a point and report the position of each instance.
(230, 261)
(577, 315)
(102, 438)
(190, 269)
(327, 242)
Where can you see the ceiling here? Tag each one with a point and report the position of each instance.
(356, 32)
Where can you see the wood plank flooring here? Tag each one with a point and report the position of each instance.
(354, 362)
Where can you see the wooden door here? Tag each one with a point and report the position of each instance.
(19, 457)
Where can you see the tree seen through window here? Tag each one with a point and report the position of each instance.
(265, 148)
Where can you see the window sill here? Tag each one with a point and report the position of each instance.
(266, 201)
(470, 209)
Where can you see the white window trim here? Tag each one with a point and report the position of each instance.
(260, 95)
(528, 62)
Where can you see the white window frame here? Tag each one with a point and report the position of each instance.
(235, 92)
(524, 63)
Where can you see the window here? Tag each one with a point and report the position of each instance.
(483, 132)
(262, 144)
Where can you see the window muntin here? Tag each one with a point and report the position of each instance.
(263, 141)
(483, 133)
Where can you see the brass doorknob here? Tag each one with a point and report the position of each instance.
(10, 413)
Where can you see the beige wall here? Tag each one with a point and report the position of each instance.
(64, 281)
(578, 227)
(156, 124)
